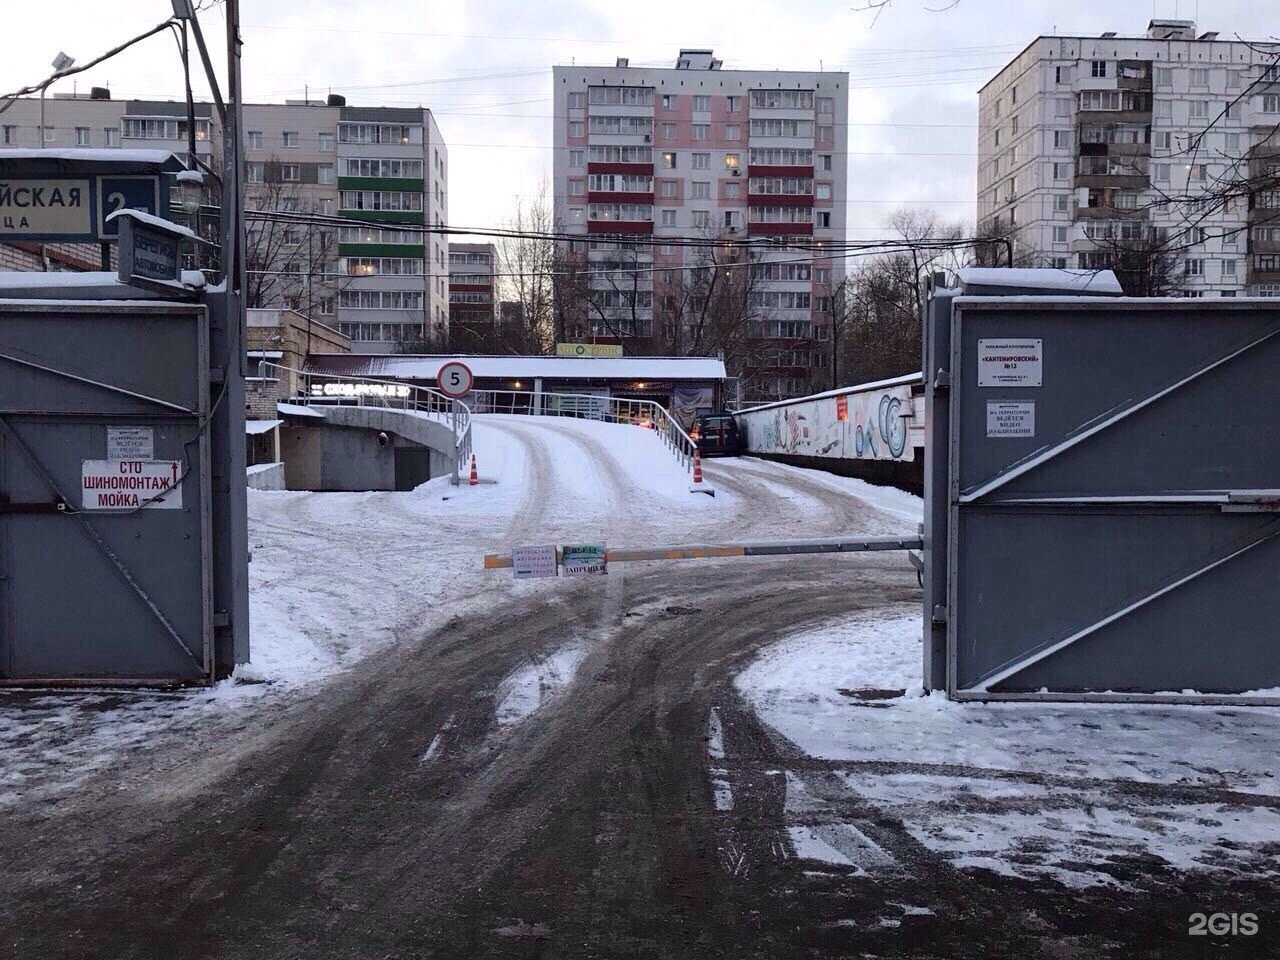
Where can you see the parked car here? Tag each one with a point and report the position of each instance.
(718, 434)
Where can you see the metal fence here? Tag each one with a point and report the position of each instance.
(1103, 513)
(642, 413)
(340, 390)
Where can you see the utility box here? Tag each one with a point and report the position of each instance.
(106, 550)
(1103, 518)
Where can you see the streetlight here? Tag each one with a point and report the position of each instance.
(61, 64)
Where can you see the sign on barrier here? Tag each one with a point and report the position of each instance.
(529, 562)
(584, 559)
(130, 484)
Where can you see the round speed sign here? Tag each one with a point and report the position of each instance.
(454, 378)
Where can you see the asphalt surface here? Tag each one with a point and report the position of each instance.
(394, 817)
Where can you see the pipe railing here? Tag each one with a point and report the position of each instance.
(341, 390)
(585, 406)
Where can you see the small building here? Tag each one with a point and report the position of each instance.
(686, 386)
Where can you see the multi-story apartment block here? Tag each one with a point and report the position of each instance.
(665, 171)
(382, 281)
(1152, 155)
(473, 301)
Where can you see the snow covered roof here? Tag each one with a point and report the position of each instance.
(410, 367)
(298, 410)
(906, 380)
(160, 223)
(254, 427)
(1078, 281)
(29, 279)
(91, 155)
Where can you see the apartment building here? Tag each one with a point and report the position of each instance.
(745, 169)
(473, 301)
(382, 281)
(1152, 154)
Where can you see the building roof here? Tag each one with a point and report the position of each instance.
(411, 367)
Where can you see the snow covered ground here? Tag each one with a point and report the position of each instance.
(337, 576)
(1069, 792)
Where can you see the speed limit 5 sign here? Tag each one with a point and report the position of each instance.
(454, 378)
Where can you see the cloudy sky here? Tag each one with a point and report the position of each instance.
(484, 67)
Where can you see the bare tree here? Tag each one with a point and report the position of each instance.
(528, 264)
(290, 264)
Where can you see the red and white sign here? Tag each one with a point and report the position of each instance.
(454, 378)
(130, 484)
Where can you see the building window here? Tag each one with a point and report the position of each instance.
(731, 161)
(997, 139)
(702, 218)
(824, 218)
(291, 139)
(577, 100)
(1199, 109)
(1229, 268)
(701, 190)
(254, 139)
(666, 101)
(325, 142)
(1164, 76)
(577, 158)
(702, 161)
(826, 134)
(668, 189)
(668, 131)
(1061, 138)
(732, 131)
(577, 128)
(1062, 203)
(826, 161)
(701, 103)
(1164, 140)
(733, 103)
(731, 191)
(577, 214)
(669, 160)
(732, 219)
(702, 131)
(324, 173)
(1271, 103)
(255, 172)
(1098, 68)
(577, 188)
(1061, 74)
(826, 106)
(1061, 170)
(1059, 234)
(1126, 201)
(1162, 172)
(50, 135)
(111, 136)
(1163, 110)
(290, 172)
(1194, 267)
(822, 191)
(10, 134)
(1199, 77)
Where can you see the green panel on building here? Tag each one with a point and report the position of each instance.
(403, 184)
(410, 251)
(384, 216)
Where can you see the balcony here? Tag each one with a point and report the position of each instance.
(775, 170)
(780, 200)
(601, 166)
(780, 229)
(619, 196)
(620, 226)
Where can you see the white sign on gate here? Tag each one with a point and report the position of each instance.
(1010, 363)
(131, 443)
(539, 561)
(1011, 419)
(130, 484)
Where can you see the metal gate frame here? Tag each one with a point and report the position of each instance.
(1229, 501)
(201, 649)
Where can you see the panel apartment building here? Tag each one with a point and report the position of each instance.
(473, 300)
(1091, 146)
(752, 159)
(380, 281)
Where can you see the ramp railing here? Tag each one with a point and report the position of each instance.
(324, 389)
(584, 406)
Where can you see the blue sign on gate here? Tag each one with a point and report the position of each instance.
(125, 193)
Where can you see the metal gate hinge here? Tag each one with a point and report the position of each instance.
(941, 380)
(940, 614)
(221, 618)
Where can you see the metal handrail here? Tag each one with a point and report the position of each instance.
(590, 406)
(397, 395)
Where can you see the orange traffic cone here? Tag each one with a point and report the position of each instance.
(697, 466)
(475, 477)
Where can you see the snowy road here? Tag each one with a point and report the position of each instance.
(448, 763)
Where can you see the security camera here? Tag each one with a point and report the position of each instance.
(384, 440)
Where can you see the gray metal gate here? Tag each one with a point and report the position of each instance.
(95, 584)
(1111, 521)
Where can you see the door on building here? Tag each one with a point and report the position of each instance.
(413, 467)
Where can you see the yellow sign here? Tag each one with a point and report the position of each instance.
(588, 349)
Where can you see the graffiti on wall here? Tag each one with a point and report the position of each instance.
(865, 426)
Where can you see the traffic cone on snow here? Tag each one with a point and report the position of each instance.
(697, 466)
(475, 477)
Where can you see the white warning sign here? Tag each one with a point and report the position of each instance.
(130, 484)
(1010, 363)
(131, 443)
(1011, 419)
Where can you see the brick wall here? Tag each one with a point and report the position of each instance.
(260, 398)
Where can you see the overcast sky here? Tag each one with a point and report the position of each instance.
(484, 67)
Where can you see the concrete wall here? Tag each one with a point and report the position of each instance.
(266, 476)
